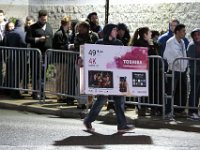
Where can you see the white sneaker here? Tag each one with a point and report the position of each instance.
(194, 116)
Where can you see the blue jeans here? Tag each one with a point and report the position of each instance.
(99, 103)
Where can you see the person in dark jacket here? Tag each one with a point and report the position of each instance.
(193, 51)
(123, 33)
(10, 25)
(92, 18)
(74, 24)
(16, 37)
(15, 59)
(61, 41)
(30, 20)
(61, 38)
(142, 38)
(84, 35)
(109, 38)
(40, 36)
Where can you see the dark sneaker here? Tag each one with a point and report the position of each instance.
(81, 106)
(141, 112)
(88, 126)
(127, 128)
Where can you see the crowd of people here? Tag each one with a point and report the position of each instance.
(73, 33)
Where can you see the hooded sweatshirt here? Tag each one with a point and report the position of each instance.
(193, 51)
(16, 38)
(106, 33)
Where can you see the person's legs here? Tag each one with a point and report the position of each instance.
(119, 106)
(96, 108)
(184, 90)
(197, 92)
(180, 93)
(59, 81)
(194, 94)
(169, 93)
(35, 73)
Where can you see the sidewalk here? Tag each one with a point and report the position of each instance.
(51, 107)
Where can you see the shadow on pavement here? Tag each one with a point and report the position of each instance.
(100, 140)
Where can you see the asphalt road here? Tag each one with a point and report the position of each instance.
(27, 131)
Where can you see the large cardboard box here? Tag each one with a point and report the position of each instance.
(114, 70)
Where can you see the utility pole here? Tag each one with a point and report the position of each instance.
(106, 11)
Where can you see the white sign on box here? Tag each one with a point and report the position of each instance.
(114, 70)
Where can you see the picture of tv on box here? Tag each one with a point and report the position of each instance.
(138, 79)
(100, 79)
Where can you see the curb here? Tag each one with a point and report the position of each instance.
(27, 108)
(108, 118)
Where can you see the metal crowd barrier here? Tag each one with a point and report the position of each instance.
(20, 69)
(185, 85)
(60, 75)
(61, 78)
(156, 96)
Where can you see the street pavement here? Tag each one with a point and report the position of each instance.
(29, 131)
(51, 107)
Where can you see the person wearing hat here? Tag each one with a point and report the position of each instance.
(109, 38)
(193, 51)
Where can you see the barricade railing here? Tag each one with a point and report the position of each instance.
(20, 69)
(156, 98)
(61, 78)
(185, 85)
(60, 74)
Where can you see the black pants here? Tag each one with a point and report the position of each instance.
(180, 91)
(194, 93)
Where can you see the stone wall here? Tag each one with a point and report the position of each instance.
(154, 16)
(15, 8)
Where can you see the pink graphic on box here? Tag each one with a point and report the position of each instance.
(137, 58)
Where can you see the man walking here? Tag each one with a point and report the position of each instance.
(109, 38)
